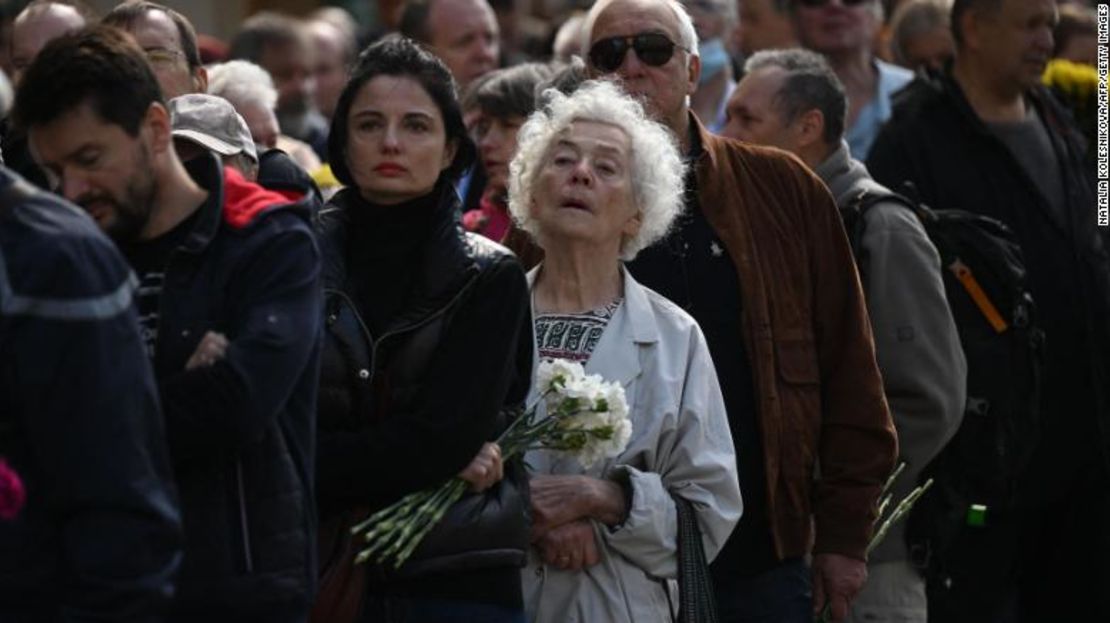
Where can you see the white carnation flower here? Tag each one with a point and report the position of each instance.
(550, 370)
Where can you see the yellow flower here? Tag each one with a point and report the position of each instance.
(1078, 81)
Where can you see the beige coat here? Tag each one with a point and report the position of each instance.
(680, 443)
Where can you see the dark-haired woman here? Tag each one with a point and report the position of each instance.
(428, 345)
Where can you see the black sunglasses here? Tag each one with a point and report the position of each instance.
(819, 3)
(652, 48)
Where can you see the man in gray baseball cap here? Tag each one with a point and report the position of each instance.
(206, 122)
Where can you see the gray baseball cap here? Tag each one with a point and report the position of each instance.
(212, 123)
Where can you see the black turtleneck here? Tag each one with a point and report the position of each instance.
(385, 245)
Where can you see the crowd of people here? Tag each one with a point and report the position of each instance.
(253, 291)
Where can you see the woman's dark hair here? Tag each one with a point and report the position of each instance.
(511, 92)
(401, 57)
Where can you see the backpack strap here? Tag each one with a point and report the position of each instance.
(855, 212)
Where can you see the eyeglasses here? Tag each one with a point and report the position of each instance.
(652, 48)
(820, 3)
(163, 56)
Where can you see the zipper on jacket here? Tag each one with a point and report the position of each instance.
(375, 343)
(243, 525)
(416, 325)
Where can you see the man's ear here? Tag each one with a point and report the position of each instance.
(156, 124)
(200, 80)
(809, 128)
(693, 73)
(971, 29)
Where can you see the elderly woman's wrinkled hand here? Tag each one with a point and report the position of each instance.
(485, 469)
(559, 500)
(570, 547)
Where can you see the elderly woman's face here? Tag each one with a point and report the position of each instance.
(583, 191)
(396, 143)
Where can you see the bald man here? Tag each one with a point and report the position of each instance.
(37, 25)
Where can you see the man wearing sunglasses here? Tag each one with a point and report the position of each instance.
(760, 259)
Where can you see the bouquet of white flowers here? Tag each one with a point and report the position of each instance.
(586, 417)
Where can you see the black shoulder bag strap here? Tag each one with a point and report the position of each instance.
(697, 603)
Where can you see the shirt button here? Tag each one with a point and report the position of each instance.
(364, 374)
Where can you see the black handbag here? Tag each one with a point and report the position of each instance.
(696, 603)
(481, 531)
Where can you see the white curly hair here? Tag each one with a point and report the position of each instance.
(242, 83)
(657, 171)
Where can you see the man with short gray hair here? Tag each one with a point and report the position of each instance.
(791, 99)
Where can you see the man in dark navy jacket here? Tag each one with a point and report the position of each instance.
(97, 534)
(230, 304)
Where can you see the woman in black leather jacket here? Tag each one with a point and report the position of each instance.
(428, 346)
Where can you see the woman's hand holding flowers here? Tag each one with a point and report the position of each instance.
(485, 469)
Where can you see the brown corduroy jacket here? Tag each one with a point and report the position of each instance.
(828, 439)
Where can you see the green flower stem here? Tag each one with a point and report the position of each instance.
(883, 505)
(384, 527)
(412, 528)
(397, 509)
(893, 476)
(900, 511)
(397, 530)
(454, 494)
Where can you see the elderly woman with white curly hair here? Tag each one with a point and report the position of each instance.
(594, 181)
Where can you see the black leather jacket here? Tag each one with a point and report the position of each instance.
(408, 408)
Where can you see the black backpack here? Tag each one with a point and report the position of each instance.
(963, 533)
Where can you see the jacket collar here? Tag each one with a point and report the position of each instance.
(846, 177)
(704, 156)
(207, 171)
(1059, 134)
(232, 200)
(447, 262)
